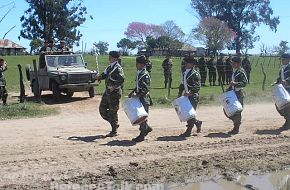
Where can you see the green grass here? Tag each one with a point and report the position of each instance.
(27, 110)
(208, 95)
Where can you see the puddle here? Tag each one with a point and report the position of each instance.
(272, 181)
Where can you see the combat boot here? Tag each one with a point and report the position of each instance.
(113, 133)
(187, 133)
(286, 125)
(140, 137)
(235, 129)
(198, 126)
(147, 131)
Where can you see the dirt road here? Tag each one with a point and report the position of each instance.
(68, 148)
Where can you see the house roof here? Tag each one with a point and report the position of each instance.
(187, 47)
(8, 44)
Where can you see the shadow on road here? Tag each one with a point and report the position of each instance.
(87, 139)
(171, 138)
(269, 132)
(218, 135)
(120, 143)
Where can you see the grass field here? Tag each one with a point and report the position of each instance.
(209, 95)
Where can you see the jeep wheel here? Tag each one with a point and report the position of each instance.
(69, 94)
(55, 91)
(36, 91)
(27, 71)
(92, 92)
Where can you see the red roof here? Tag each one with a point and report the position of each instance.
(4, 43)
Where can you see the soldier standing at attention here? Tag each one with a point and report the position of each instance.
(191, 86)
(51, 47)
(148, 64)
(229, 69)
(247, 67)
(42, 51)
(202, 70)
(220, 65)
(3, 90)
(141, 91)
(167, 69)
(284, 78)
(238, 82)
(114, 79)
(211, 71)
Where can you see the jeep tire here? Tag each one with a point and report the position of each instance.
(91, 92)
(55, 91)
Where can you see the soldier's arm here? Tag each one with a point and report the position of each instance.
(3, 67)
(144, 86)
(242, 80)
(195, 87)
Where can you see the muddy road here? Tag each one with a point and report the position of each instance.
(42, 153)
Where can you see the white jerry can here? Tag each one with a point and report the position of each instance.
(135, 111)
(281, 96)
(231, 103)
(184, 109)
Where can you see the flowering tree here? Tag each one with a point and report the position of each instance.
(213, 33)
(138, 31)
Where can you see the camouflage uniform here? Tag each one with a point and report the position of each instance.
(221, 71)
(240, 77)
(228, 70)
(142, 92)
(285, 112)
(202, 70)
(191, 82)
(3, 90)
(247, 67)
(211, 71)
(109, 106)
(167, 70)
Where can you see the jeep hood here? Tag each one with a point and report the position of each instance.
(72, 70)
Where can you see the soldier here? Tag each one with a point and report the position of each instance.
(42, 51)
(148, 64)
(220, 65)
(284, 78)
(51, 47)
(114, 79)
(182, 66)
(191, 86)
(141, 91)
(62, 46)
(3, 90)
(247, 67)
(229, 69)
(211, 71)
(202, 70)
(167, 69)
(238, 82)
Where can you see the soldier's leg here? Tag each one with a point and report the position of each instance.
(214, 77)
(170, 80)
(180, 90)
(144, 128)
(223, 78)
(210, 78)
(237, 118)
(104, 107)
(165, 80)
(286, 114)
(114, 101)
(5, 96)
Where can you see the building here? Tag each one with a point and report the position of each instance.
(7, 47)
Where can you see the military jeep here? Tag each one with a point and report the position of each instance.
(62, 73)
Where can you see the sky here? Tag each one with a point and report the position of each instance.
(112, 17)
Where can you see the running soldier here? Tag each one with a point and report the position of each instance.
(114, 79)
(167, 70)
(141, 91)
(3, 90)
(190, 87)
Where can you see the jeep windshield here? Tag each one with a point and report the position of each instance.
(64, 61)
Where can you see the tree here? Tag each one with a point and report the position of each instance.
(138, 31)
(282, 48)
(168, 44)
(170, 29)
(126, 44)
(35, 45)
(49, 19)
(11, 6)
(242, 16)
(102, 47)
(213, 33)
